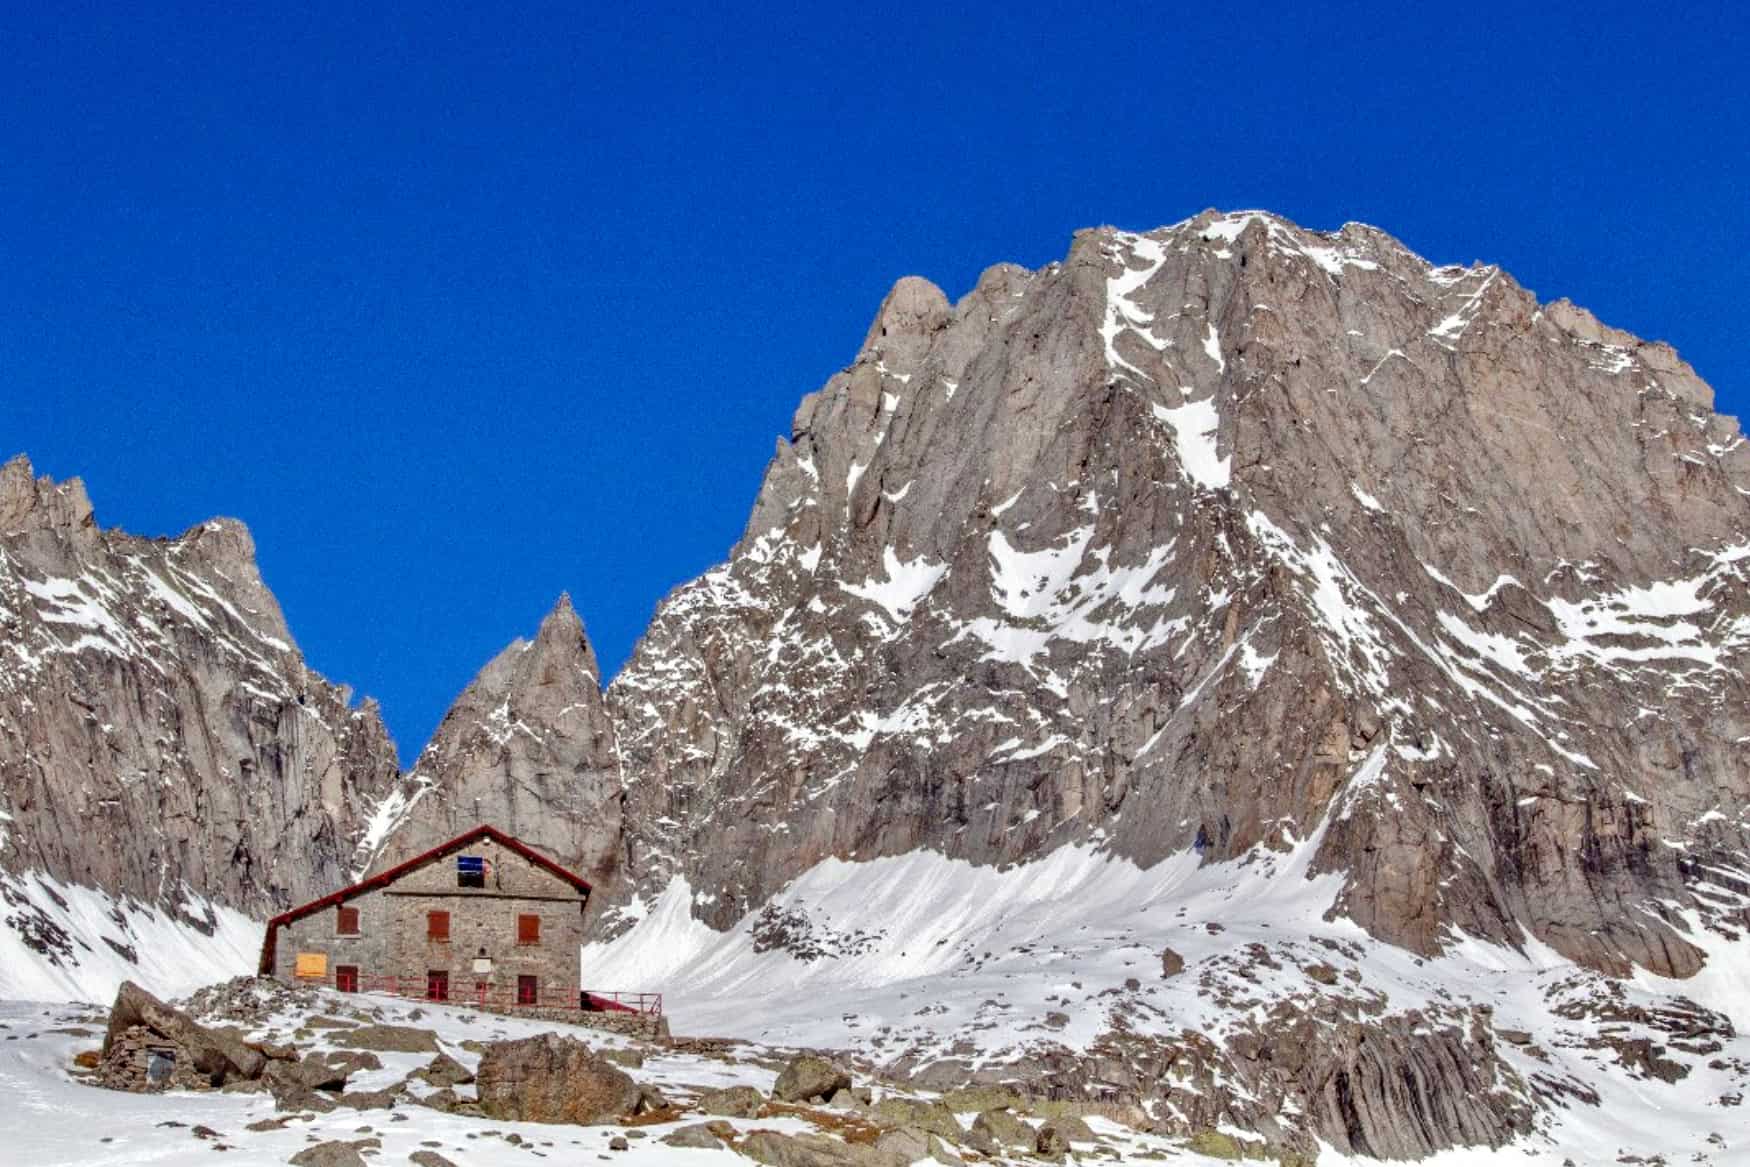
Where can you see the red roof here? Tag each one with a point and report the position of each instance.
(384, 878)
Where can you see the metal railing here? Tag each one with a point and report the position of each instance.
(485, 996)
(606, 1000)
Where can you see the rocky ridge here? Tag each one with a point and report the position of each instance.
(161, 738)
(1203, 538)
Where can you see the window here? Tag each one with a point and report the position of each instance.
(346, 921)
(346, 978)
(437, 985)
(471, 871)
(437, 927)
(527, 991)
(528, 929)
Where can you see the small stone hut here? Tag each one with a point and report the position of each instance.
(483, 919)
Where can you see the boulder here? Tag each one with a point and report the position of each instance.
(389, 1039)
(448, 1101)
(908, 1141)
(444, 1070)
(698, 1136)
(429, 1159)
(933, 1117)
(649, 1099)
(150, 1046)
(1073, 1129)
(1006, 1129)
(550, 1078)
(1050, 1142)
(328, 1070)
(367, 1099)
(808, 1077)
(334, 1154)
(1172, 964)
(776, 1150)
(735, 1102)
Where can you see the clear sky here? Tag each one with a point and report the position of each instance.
(463, 305)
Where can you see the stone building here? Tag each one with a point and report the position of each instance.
(483, 918)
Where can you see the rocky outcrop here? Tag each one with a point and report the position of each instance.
(552, 1079)
(161, 738)
(808, 1077)
(151, 1047)
(528, 747)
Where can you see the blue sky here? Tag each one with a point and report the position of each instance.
(463, 305)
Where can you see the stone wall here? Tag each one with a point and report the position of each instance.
(392, 939)
(652, 1027)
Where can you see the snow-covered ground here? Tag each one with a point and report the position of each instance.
(921, 959)
(60, 942)
(51, 1118)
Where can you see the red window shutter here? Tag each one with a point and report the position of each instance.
(528, 929)
(346, 921)
(437, 926)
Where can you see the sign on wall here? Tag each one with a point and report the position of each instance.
(311, 964)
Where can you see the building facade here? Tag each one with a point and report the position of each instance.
(482, 919)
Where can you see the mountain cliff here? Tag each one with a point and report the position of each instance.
(1197, 539)
(1246, 673)
(161, 739)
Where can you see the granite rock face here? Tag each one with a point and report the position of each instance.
(529, 748)
(550, 1078)
(1205, 537)
(161, 737)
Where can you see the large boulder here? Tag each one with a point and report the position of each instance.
(1006, 1129)
(550, 1078)
(328, 1070)
(695, 1136)
(389, 1039)
(335, 1153)
(150, 1046)
(779, 1150)
(734, 1102)
(933, 1117)
(444, 1071)
(808, 1078)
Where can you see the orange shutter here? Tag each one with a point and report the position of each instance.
(528, 929)
(437, 926)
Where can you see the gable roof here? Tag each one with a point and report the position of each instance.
(384, 878)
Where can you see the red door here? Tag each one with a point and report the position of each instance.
(527, 992)
(437, 985)
(346, 978)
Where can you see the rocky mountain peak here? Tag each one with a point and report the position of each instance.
(1014, 588)
(31, 503)
(528, 747)
(562, 646)
(913, 311)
